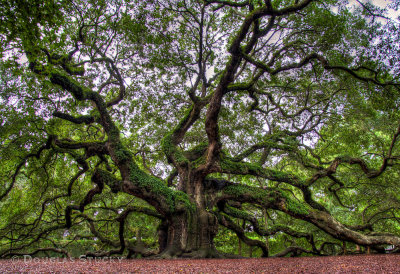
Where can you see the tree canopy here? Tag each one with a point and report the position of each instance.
(172, 128)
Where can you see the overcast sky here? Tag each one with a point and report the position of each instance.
(380, 3)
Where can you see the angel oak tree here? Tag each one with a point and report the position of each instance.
(268, 118)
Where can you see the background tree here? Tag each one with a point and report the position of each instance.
(145, 127)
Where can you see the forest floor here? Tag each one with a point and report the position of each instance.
(337, 264)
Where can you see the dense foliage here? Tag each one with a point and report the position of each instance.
(196, 128)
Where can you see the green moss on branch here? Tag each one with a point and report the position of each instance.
(176, 200)
(269, 197)
(294, 206)
(170, 142)
(228, 165)
(171, 150)
(108, 179)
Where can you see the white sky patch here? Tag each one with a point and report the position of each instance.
(380, 3)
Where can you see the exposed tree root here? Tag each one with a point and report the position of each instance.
(204, 253)
(210, 253)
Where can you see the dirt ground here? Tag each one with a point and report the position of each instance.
(338, 264)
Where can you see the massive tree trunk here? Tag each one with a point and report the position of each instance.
(190, 233)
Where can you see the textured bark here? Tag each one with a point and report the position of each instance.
(191, 233)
